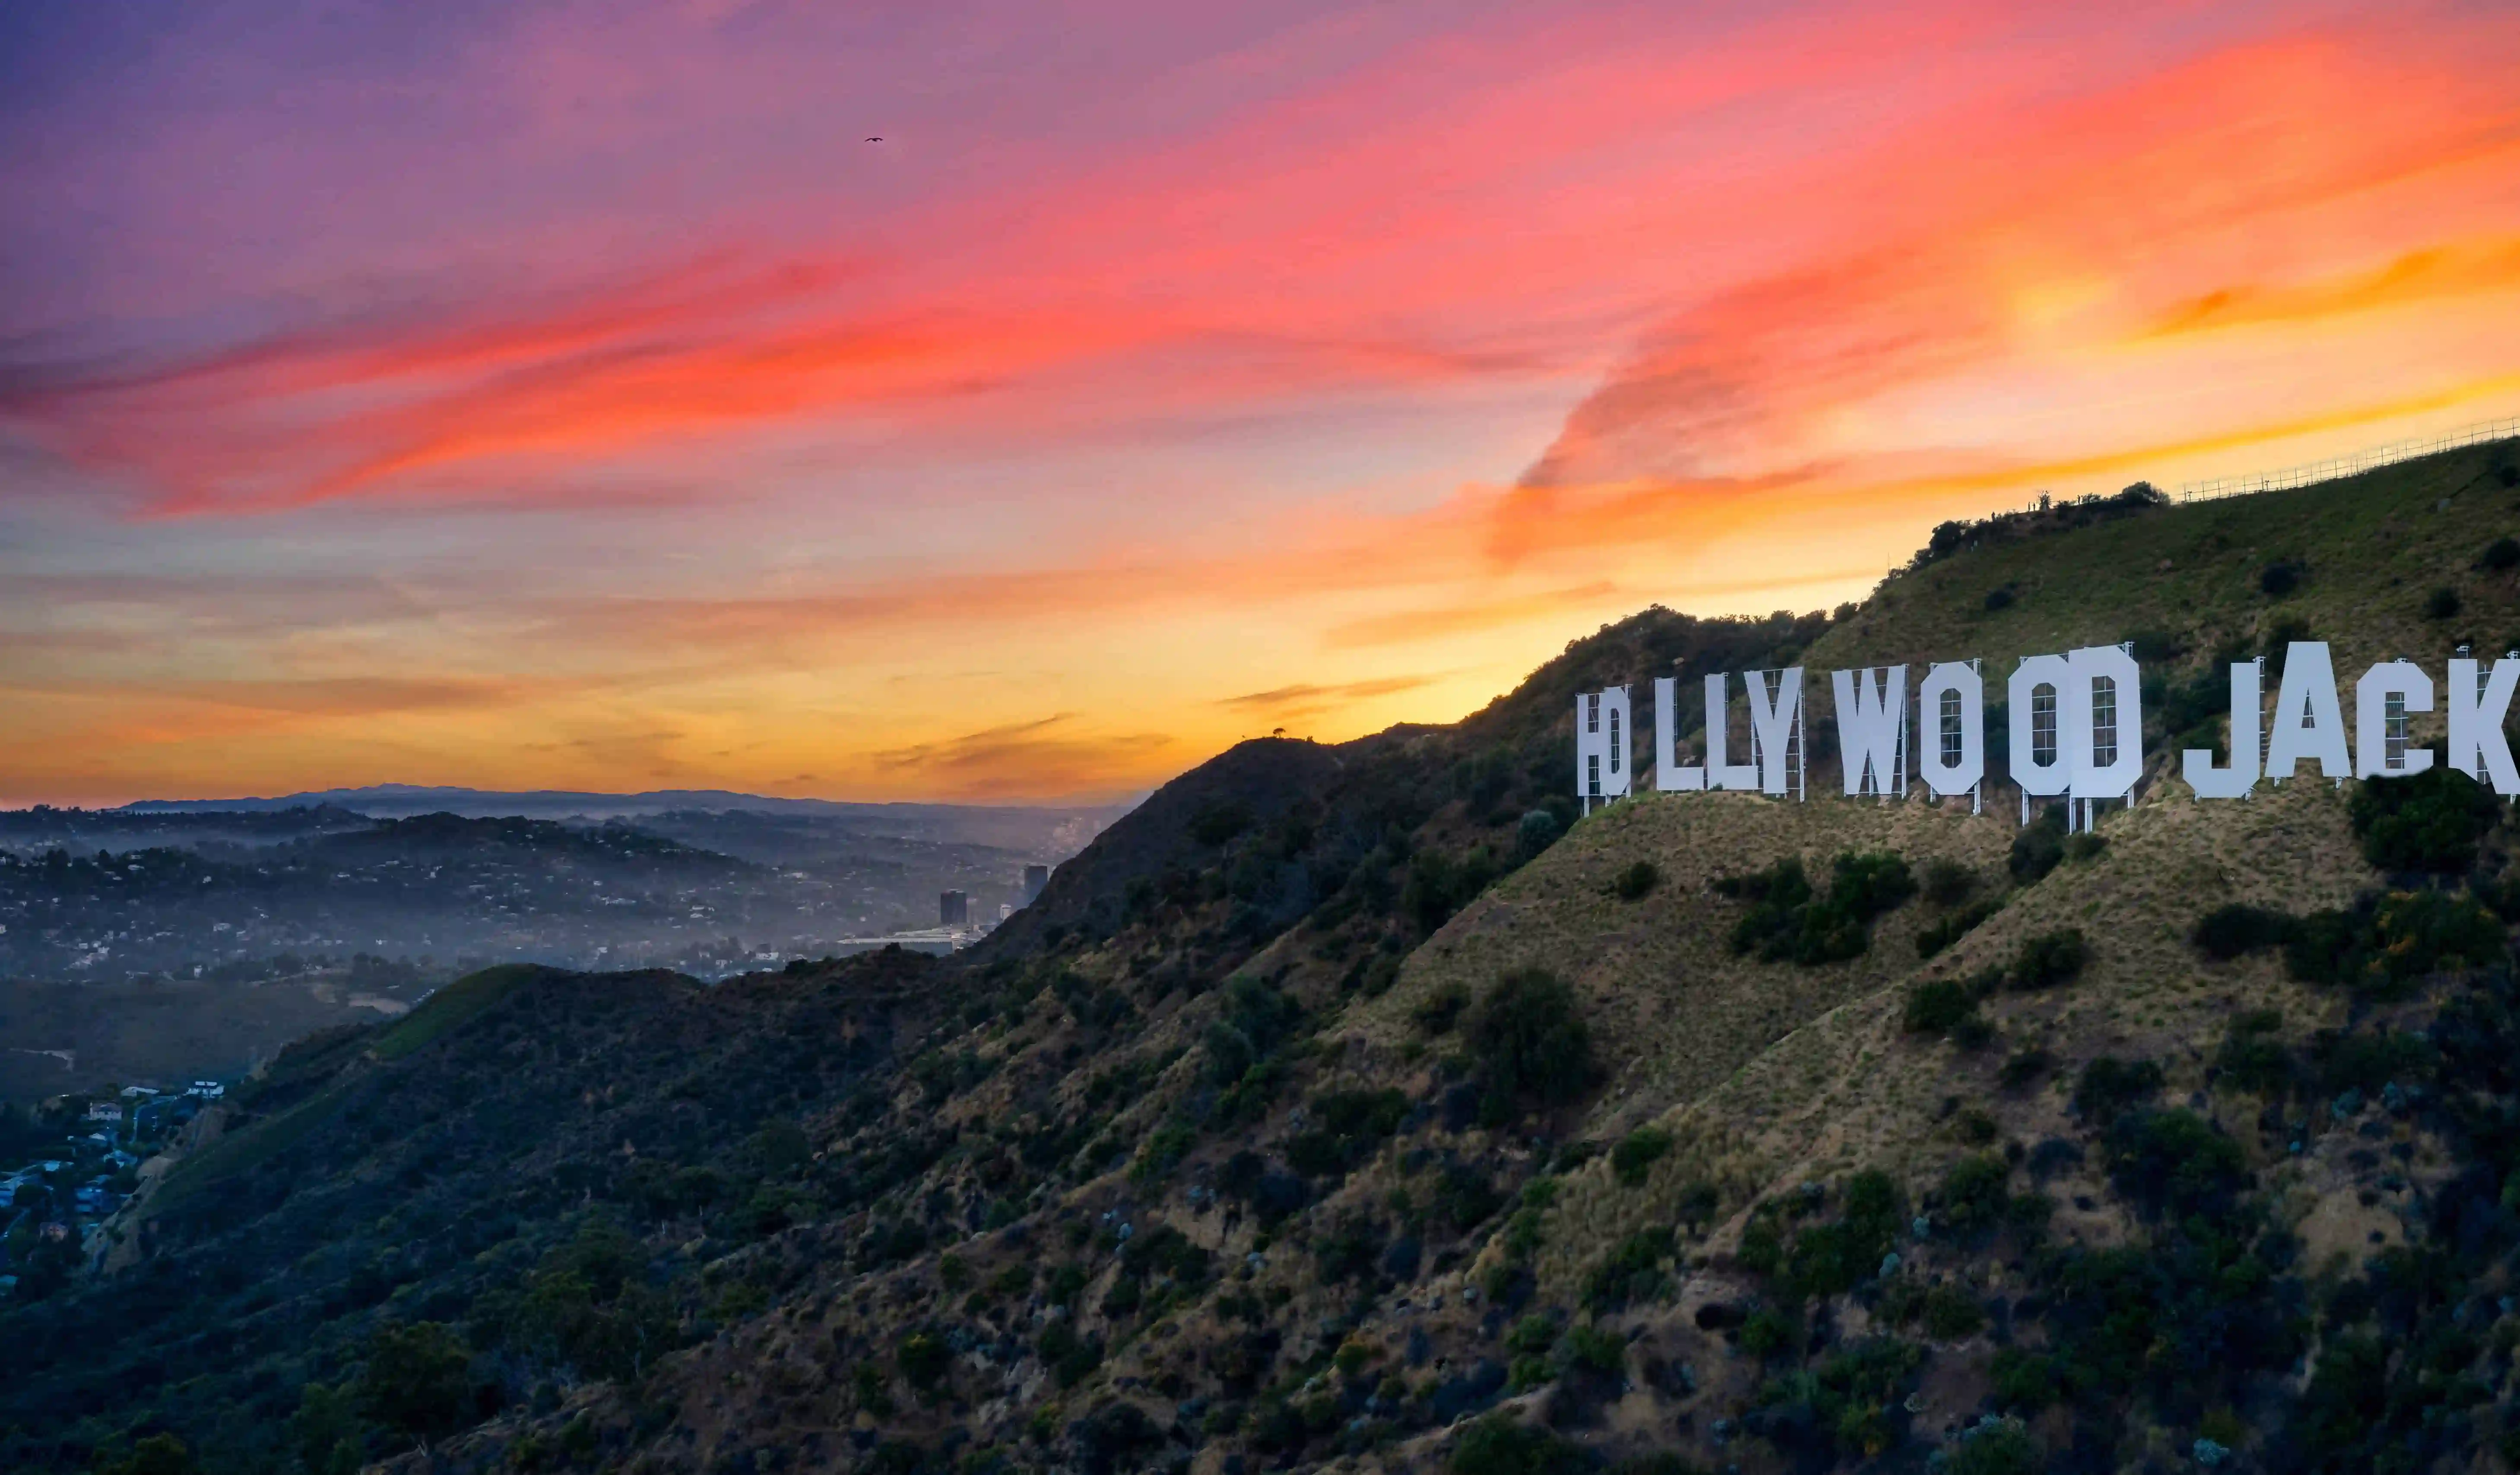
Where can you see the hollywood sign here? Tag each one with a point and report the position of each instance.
(2076, 729)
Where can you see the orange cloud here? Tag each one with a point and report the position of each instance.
(1316, 698)
(2462, 269)
(1043, 756)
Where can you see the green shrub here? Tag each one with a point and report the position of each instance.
(1497, 1446)
(2048, 960)
(1635, 881)
(2386, 944)
(2441, 604)
(2250, 1057)
(1071, 1359)
(2040, 847)
(1219, 821)
(416, 1380)
(1843, 1405)
(1531, 1336)
(1770, 1332)
(2110, 1085)
(159, 1453)
(2174, 1163)
(1591, 1349)
(1952, 1313)
(2228, 931)
(2021, 1379)
(1973, 1192)
(1440, 1011)
(1439, 885)
(922, 1359)
(2368, 1062)
(1698, 1204)
(1343, 1130)
(1632, 1272)
(2024, 1066)
(1787, 919)
(1465, 1197)
(1833, 1258)
(1947, 883)
(1530, 1040)
(2430, 820)
(2000, 1448)
(1936, 1005)
(1636, 1155)
(2502, 555)
(1955, 925)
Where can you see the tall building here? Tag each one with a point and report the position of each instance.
(953, 908)
(1035, 878)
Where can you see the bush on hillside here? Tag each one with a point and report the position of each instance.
(2003, 1447)
(2048, 960)
(2040, 846)
(159, 1453)
(1635, 881)
(1834, 1257)
(1528, 1038)
(1220, 822)
(1845, 1407)
(2385, 944)
(1956, 926)
(1636, 1155)
(2441, 604)
(1788, 919)
(1441, 1009)
(2501, 556)
(1499, 1445)
(1975, 1193)
(1343, 1130)
(2430, 820)
(2228, 931)
(2279, 578)
(2251, 1058)
(418, 1380)
(2176, 1163)
(2110, 1087)
(1631, 1272)
(1946, 882)
(1439, 885)
(1536, 832)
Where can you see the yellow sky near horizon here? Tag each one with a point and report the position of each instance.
(1317, 372)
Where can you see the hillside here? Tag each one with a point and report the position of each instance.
(1358, 1105)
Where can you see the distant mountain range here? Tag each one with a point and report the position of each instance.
(388, 800)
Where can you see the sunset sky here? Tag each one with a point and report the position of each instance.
(555, 395)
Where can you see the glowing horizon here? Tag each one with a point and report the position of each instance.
(530, 399)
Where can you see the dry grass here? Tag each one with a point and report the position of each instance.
(2375, 545)
(1673, 1009)
(1769, 1076)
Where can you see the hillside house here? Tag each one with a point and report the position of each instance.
(105, 1111)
